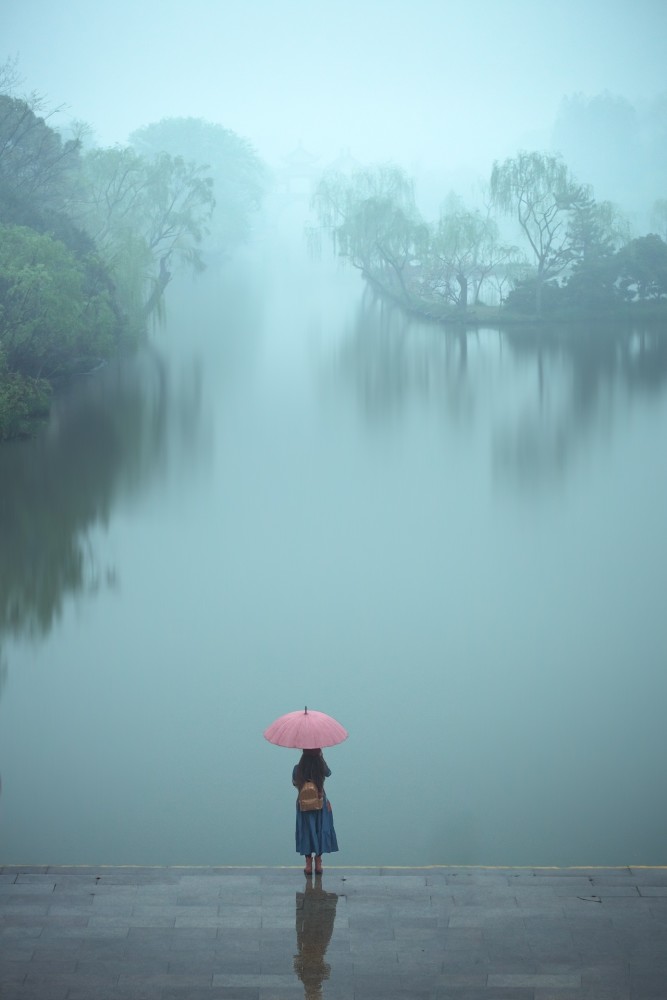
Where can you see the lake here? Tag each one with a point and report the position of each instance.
(296, 495)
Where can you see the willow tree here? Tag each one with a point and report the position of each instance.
(146, 216)
(238, 175)
(373, 222)
(463, 251)
(538, 190)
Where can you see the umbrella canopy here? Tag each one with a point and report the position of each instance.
(305, 730)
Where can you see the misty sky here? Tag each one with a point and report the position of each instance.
(426, 82)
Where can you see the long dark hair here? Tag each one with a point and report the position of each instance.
(311, 767)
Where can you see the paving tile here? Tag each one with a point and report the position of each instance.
(61, 965)
(58, 932)
(13, 950)
(151, 934)
(583, 994)
(254, 981)
(655, 876)
(86, 950)
(34, 878)
(15, 932)
(23, 869)
(113, 968)
(51, 980)
(533, 899)
(213, 993)
(461, 980)
(607, 889)
(246, 945)
(174, 936)
(142, 908)
(224, 922)
(164, 980)
(23, 908)
(28, 991)
(534, 980)
(100, 922)
(396, 992)
(480, 916)
(14, 890)
(447, 993)
(139, 991)
(70, 910)
(13, 971)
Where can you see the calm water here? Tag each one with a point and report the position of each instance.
(457, 548)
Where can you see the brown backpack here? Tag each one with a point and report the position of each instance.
(310, 797)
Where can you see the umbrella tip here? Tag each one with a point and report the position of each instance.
(305, 710)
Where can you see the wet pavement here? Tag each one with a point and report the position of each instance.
(354, 934)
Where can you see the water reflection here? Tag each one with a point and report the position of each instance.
(579, 382)
(544, 393)
(374, 507)
(315, 916)
(108, 436)
(389, 357)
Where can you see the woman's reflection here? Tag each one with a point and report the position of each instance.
(315, 915)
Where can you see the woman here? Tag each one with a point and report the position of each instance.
(315, 832)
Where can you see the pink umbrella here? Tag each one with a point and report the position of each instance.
(305, 731)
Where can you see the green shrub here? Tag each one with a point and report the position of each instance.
(23, 402)
(52, 318)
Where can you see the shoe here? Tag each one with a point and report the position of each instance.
(318, 865)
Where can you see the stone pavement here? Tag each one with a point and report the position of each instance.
(354, 934)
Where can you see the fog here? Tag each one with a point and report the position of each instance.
(452, 541)
(426, 84)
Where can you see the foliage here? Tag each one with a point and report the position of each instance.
(145, 216)
(39, 175)
(642, 268)
(338, 195)
(23, 400)
(236, 171)
(50, 322)
(37, 169)
(373, 221)
(521, 299)
(88, 242)
(595, 229)
(10, 77)
(463, 251)
(538, 190)
(590, 290)
(603, 283)
(381, 237)
(58, 312)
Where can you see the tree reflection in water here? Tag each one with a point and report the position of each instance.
(581, 380)
(392, 360)
(108, 436)
(315, 916)
(390, 357)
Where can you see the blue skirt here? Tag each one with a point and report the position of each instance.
(315, 832)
